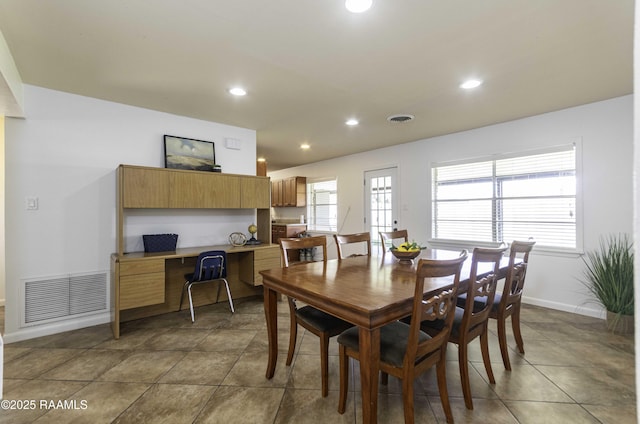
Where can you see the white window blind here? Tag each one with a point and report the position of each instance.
(508, 198)
(322, 206)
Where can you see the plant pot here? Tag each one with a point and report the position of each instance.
(620, 324)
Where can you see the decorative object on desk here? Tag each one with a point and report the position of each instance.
(237, 239)
(253, 230)
(406, 252)
(609, 278)
(189, 154)
(160, 242)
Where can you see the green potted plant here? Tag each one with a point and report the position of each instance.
(608, 276)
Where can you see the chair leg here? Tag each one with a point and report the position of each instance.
(344, 379)
(293, 336)
(193, 316)
(464, 375)
(441, 371)
(484, 347)
(226, 285)
(515, 322)
(182, 294)
(502, 338)
(324, 363)
(407, 398)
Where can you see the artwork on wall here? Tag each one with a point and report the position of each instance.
(190, 154)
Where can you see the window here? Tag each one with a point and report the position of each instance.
(322, 206)
(508, 198)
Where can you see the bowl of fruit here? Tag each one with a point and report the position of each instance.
(406, 252)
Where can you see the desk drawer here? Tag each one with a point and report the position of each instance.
(141, 267)
(141, 290)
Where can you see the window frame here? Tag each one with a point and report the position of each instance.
(576, 143)
(311, 204)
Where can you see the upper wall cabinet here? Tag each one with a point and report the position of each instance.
(290, 191)
(204, 190)
(144, 187)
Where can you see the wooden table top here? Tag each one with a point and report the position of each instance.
(367, 291)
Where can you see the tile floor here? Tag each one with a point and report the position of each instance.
(166, 370)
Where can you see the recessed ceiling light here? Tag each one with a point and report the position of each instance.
(262, 160)
(305, 146)
(358, 6)
(471, 83)
(404, 117)
(352, 122)
(238, 91)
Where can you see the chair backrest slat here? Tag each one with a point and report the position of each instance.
(516, 273)
(342, 239)
(298, 243)
(439, 306)
(386, 236)
(211, 265)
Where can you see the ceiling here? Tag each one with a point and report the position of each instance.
(309, 65)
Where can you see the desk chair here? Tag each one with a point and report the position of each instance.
(210, 268)
(342, 239)
(470, 321)
(405, 351)
(390, 236)
(316, 321)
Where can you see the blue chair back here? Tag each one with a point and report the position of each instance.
(211, 265)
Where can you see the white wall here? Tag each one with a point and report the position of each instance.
(65, 153)
(606, 131)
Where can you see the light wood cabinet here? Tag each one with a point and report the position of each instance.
(144, 188)
(203, 190)
(254, 192)
(141, 284)
(289, 192)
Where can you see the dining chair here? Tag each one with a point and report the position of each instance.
(470, 322)
(316, 321)
(359, 238)
(211, 267)
(507, 304)
(389, 236)
(406, 351)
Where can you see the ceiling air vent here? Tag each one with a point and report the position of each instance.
(400, 118)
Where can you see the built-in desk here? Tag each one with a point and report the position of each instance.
(146, 284)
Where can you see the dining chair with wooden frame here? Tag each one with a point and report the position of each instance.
(507, 304)
(406, 351)
(390, 236)
(359, 238)
(314, 320)
(471, 321)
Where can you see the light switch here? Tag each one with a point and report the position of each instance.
(32, 203)
(232, 143)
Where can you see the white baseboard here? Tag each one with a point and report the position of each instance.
(590, 312)
(56, 327)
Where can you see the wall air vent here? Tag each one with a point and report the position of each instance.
(400, 118)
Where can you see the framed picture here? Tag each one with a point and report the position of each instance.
(187, 153)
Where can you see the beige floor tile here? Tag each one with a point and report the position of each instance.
(619, 414)
(525, 382)
(104, 401)
(592, 385)
(484, 411)
(209, 368)
(240, 405)
(308, 406)
(226, 340)
(38, 361)
(37, 391)
(89, 365)
(177, 339)
(143, 366)
(540, 413)
(250, 371)
(167, 404)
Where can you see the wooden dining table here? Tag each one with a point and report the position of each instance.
(367, 291)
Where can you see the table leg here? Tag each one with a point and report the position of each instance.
(369, 369)
(271, 315)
